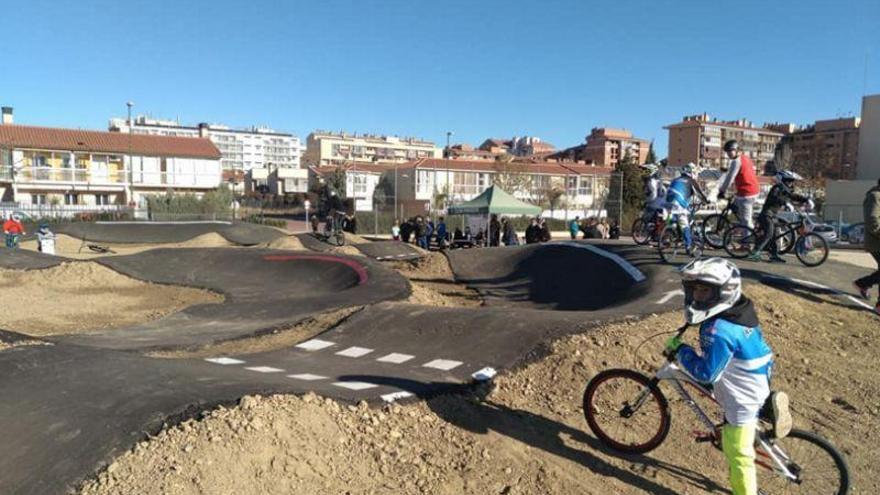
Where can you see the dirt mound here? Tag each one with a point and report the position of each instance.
(528, 436)
(287, 242)
(433, 283)
(349, 250)
(71, 247)
(209, 240)
(79, 297)
(354, 239)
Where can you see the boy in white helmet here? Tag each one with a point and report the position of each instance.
(734, 359)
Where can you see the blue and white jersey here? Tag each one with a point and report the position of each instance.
(680, 192)
(737, 361)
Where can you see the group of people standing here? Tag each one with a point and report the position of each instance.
(424, 231)
(593, 228)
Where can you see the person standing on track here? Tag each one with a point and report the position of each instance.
(741, 172)
(574, 227)
(734, 359)
(871, 207)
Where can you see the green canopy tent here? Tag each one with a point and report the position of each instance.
(494, 200)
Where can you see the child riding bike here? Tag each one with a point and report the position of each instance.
(781, 194)
(735, 359)
(13, 229)
(678, 197)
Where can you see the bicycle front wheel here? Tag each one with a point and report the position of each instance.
(811, 249)
(626, 411)
(818, 467)
(671, 246)
(340, 238)
(714, 227)
(740, 241)
(640, 232)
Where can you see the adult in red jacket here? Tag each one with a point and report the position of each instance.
(741, 173)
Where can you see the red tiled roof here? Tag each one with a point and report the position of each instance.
(370, 167)
(55, 139)
(548, 168)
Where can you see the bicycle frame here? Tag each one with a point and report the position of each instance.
(672, 373)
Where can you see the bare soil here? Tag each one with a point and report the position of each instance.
(433, 283)
(71, 247)
(79, 297)
(289, 242)
(528, 436)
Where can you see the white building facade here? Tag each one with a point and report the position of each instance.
(42, 166)
(256, 148)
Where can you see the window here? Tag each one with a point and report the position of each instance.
(359, 184)
(71, 199)
(102, 199)
(586, 186)
(39, 199)
(571, 184)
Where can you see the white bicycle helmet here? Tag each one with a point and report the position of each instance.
(651, 168)
(786, 177)
(691, 170)
(719, 274)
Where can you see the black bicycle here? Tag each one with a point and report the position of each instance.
(717, 224)
(810, 248)
(333, 232)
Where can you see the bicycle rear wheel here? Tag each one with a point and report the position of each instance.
(671, 247)
(740, 241)
(641, 231)
(339, 237)
(626, 411)
(811, 249)
(714, 227)
(818, 467)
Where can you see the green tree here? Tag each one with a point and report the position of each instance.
(651, 158)
(626, 185)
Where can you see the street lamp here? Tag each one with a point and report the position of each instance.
(129, 104)
(448, 183)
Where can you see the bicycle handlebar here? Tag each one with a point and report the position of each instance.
(670, 356)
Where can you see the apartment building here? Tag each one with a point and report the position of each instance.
(517, 146)
(584, 187)
(51, 166)
(605, 147)
(825, 149)
(329, 148)
(261, 149)
(700, 139)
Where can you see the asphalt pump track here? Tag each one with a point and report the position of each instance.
(73, 406)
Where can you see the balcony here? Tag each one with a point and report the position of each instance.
(50, 175)
(176, 179)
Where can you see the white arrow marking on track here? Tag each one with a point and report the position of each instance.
(669, 295)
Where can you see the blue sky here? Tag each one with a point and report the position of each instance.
(552, 69)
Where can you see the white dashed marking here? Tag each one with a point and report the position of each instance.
(307, 377)
(224, 360)
(355, 385)
(443, 364)
(484, 374)
(315, 345)
(669, 295)
(396, 396)
(265, 369)
(354, 352)
(395, 358)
